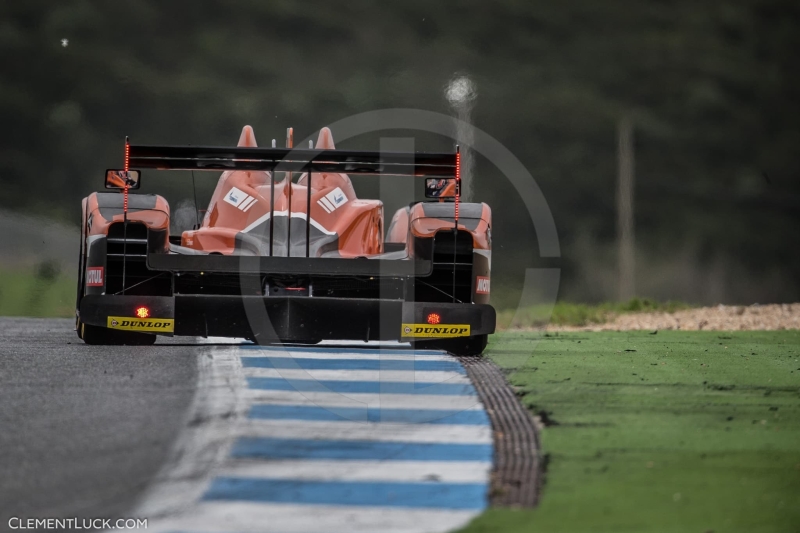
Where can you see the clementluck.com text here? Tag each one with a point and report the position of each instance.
(77, 523)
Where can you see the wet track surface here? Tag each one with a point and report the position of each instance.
(83, 429)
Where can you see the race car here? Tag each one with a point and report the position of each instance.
(284, 260)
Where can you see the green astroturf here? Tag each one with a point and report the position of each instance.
(669, 432)
(36, 292)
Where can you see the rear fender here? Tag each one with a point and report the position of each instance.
(427, 219)
(398, 228)
(102, 212)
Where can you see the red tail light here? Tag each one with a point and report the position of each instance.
(142, 312)
(434, 318)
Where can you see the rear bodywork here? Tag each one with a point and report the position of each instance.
(281, 257)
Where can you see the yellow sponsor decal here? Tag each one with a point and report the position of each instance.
(150, 325)
(438, 331)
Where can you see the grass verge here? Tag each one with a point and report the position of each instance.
(673, 432)
(574, 314)
(41, 291)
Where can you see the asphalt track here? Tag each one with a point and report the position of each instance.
(84, 429)
(230, 437)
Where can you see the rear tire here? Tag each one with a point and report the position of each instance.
(101, 336)
(461, 346)
(95, 334)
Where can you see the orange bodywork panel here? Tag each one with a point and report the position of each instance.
(423, 220)
(103, 209)
(241, 204)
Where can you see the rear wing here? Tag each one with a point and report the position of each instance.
(421, 164)
(215, 158)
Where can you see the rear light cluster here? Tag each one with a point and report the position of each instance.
(143, 312)
(434, 318)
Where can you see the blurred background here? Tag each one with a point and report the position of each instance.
(664, 134)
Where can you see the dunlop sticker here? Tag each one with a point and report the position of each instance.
(439, 331)
(150, 325)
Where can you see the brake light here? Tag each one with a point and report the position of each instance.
(434, 318)
(142, 312)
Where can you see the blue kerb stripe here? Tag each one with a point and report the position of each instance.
(376, 387)
(350, 364)
(371, 350)
(364, 414)
(361, 450)
(370, 494)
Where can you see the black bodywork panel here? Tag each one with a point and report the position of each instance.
(318, 266)
(288, 318)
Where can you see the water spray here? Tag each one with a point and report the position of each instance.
(461, 93)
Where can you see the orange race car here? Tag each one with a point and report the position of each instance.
(282, 260)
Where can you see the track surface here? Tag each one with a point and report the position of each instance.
(219, 438)
(335, 438)
(83, 430)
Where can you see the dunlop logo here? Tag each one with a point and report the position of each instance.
(151, 325)
(441, 331)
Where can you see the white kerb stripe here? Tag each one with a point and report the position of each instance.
(258, 517)
(413, 376)
(394, 471)
(421, 402)
(354, 355)
(372, 431)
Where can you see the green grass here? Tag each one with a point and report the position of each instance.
(674, 432)
(40, 291)
(575, 314)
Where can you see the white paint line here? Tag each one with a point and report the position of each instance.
(384, 401)
(390, 471)
(325, 203)
(375, 431)
(354, 355)
(249, 205)
(225, 340)
(370, 344)
(249, 517)
(418, 376)
(207, 435)
(264, 218)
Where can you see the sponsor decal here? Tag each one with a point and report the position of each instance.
(333, 200)
(482, 285)
(94, 277)
(440, 331)
(240, 199)
(150, 325)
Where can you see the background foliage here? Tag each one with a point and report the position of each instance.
(712, 88)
